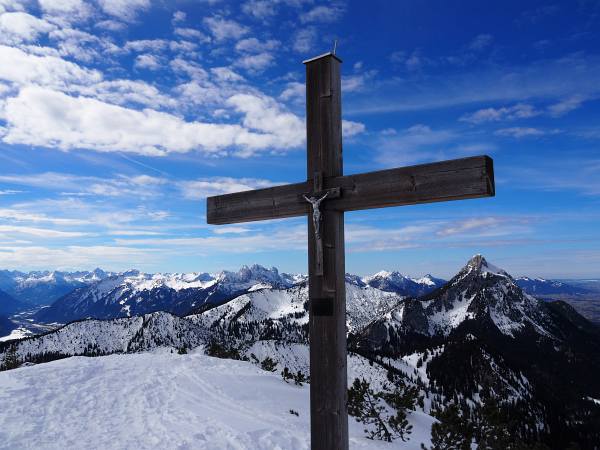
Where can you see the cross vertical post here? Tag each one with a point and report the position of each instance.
(326, 261)
(324, 197)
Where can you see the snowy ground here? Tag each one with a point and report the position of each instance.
(161, 400)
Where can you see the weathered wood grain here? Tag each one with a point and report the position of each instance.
(326, 284)
(455, 179)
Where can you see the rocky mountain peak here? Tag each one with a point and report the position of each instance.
(480, 266)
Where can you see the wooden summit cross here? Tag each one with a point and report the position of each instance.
(324, 197)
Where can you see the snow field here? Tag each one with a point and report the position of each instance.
(162, 400)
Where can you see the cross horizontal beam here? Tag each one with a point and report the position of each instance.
(455, 179)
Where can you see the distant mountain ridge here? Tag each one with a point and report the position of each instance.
(44, 287)
(541, 286)
(100, 294)
(134, 293)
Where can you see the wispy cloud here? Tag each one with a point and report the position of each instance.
(39, 232)
(206, 187)
(576, 174)
(520, 132)
(518, 111)
(481, 41)
(544, 79)
(565, 106)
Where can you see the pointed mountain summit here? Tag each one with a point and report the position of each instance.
(480, 298)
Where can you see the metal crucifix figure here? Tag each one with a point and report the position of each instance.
(315, 202)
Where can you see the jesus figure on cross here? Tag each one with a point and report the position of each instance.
(330, 193)
(315, 203)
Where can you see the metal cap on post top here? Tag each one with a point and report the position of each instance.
(333, 55)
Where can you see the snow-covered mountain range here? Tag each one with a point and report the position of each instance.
(541, 286)
(44, 287)
(133, 293)
(99, 294)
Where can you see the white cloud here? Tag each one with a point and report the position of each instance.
(140, 186)
(293, 91)
(265, 115)
(223, 29)
(22, 68)
(190, 68)
(357, 82)
(261, 9)
(207, 187)
(81, 45)
(179, 16)
(146, 45)
(519, 132)
(20, 215)
(253, 45)
(147, 61)
(350, 128)
(289, 238)
(230, 230)
(125, 92)
(111, 25)
(11, 5)
(565, 106)
(193, 34)
(66, 11)
(255, 63)
(39, 232)
(266, 9)
(481, 41)
(225, 74)
(464, 226)
(77, 256)
(304, 40)
(322, 14)
(16, 27)
(126, 10)
(518, 111)
(42, 117)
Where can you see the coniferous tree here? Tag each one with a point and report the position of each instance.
(286, 374)
(452, 432)
(268, 364)
(384, 413)
(11, 360)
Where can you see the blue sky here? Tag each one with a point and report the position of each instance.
(118, 118)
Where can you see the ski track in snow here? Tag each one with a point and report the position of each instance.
(162, 400)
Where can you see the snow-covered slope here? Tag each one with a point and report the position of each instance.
(268, 310)
(261, 314)
(163, 400)
(100, 337)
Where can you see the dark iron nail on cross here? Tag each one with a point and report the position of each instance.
(324, 197)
